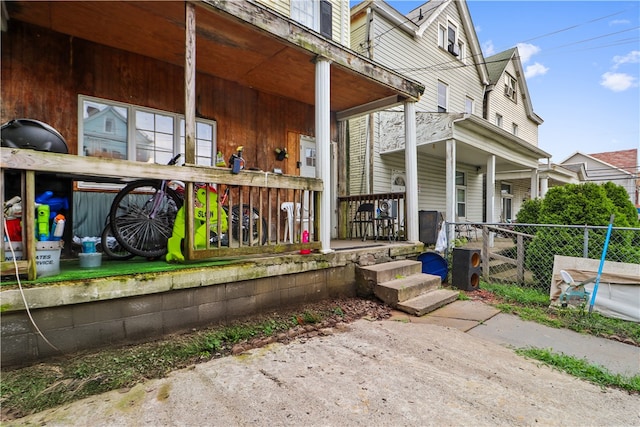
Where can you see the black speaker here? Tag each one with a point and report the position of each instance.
(466, 269)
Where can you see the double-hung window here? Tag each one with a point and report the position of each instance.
(443, 95)
(448, 38)
(499, 120)
(468, 105)
(510, 87)
(117, 130)
(314, 14)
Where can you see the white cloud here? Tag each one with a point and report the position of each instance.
(487, 48)
(618, 82)
(619, 22)
(535, 69)
(632, 57)
(526, 51)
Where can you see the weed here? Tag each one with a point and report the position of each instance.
(463, 297)
(582, 369)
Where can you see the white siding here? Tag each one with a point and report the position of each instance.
(512, 112)
(421, 59)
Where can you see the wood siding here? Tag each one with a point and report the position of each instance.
(43, 73)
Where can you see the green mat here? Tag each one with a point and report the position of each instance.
(70, 270)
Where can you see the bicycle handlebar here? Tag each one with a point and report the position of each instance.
(174, 160)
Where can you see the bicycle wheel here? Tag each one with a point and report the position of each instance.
(142, 216)
(250, 233)
(111, 247)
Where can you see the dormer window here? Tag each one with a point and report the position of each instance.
(448, 39)
(510, 85)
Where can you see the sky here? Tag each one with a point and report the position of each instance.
(582, 65)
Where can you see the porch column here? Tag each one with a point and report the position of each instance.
(190, 84)
(323, 147)
(450, 187)
(491, 194)
(412, 227)
(544, 186)
(534, 184)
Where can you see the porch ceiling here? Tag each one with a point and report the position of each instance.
(228, 46)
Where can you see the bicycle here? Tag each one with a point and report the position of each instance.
(110, 245)
(142, 215)
(250, 226)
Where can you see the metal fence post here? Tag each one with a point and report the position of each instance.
(585, 242)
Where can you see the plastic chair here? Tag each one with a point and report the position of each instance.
(292, 217)
(363, 219)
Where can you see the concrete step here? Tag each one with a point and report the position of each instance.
(428, 302)
(367, 277)
(404, 288)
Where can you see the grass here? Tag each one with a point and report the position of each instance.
(580, 368)
(35, 388)
(533, 305)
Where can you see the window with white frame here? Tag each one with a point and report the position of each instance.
(514, 129)
(461, 194)
(443, 94)
(314, 14)
(468, 105)
(448, 38)
(462, 54)
(510, 86)
(499, 120)
(125, 131)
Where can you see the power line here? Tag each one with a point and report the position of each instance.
(453, 64)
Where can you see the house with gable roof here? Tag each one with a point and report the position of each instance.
(477, 140)
(619, 167)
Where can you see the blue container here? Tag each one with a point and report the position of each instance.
(432, 263)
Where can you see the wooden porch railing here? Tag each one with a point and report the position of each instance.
(264, 192)
(389, 215)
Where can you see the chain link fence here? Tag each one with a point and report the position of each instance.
(523, 254)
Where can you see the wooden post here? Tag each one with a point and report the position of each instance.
(190, 84)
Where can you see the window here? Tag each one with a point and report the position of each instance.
(510, 87)
(109, 125)
(316, 15)
(310, 157)
(499, 120)
(468, 105)
(514, 129)
(123, 131)
(448, 38)
(443, 94)
(507, 197)
(461, 194)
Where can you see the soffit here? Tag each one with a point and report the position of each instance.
(226, 47)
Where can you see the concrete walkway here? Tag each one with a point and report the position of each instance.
(483, 321)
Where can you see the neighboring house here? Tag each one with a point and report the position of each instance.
(620, 167)
(476, 130)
